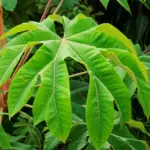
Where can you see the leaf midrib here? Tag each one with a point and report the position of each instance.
(54, 81)
(99, 112)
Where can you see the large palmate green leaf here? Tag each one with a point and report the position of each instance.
(83, 41)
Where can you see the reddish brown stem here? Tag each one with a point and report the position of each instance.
(3, 97)
(27, 52)
(147, 50)
(46, 10)
(2, 43)
(22, 61)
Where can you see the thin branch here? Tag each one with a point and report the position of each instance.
(2, 44)
(22, 61)
(28, 106)
(78, 74)
(71, 76)
(58, 7)
(27, 52)
(147, 50)
(46, 10)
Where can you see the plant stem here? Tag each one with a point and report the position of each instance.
(27, 52)
(58, 7)
(78, 74)
(147, 50)
(72, 76)
(2, 43)
(22, 61)
(46, 10)
(28, 106)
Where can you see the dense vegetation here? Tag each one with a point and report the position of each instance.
(74, 75)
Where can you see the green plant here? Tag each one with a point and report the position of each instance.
(100, 48)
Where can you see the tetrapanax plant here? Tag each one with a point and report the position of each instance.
(89, 44)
